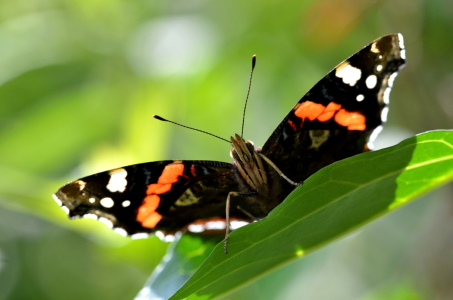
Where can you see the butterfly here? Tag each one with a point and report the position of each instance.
(336, 119)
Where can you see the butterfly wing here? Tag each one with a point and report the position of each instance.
(161, 196)
(335, 119)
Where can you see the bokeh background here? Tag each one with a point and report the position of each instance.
(80, 80)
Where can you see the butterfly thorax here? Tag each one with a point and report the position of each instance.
(258, 182)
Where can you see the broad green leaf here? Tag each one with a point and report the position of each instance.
(331, 203)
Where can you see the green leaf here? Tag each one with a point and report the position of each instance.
(181, 261)
(331, 203)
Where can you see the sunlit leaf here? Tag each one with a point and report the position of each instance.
(331, 203)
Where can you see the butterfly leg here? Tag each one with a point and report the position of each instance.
(227, 215)
(279, 171)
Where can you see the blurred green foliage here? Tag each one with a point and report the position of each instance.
(80, 80)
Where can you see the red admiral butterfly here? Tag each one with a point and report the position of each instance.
(336, 119)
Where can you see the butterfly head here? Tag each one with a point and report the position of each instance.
(248, 163)
(242, 150)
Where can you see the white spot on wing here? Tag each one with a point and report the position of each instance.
(92, 200)
(165, 238)
(140, 235)
(401, 40)
(117, 182)
(348, 73)
(90, 216)
(160, 235)
(384, 113)
(375, 133)
(360, 97)
(196, 228)
(386, 96)
(371, 81)
(57, 200)
(106, 222)
(120, 231)
(65, 209)
(215, 225)
(379, 68)
(107, 202)
(374, 48)
(169, 238)
(238, 224)
(126, 203)
(392, 79)
(81, 184)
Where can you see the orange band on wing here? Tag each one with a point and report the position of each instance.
(352, 120)
(329, 112)
(152, 202)
(147, 214)
(309, 110)
(171, 173)
(315, 111)
(152, 220)
(156, 188)
(149, 206)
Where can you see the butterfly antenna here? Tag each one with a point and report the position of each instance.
(248, 93)
(165, 120)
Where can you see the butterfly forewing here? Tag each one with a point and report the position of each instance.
(157, 196)
(335, 119)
